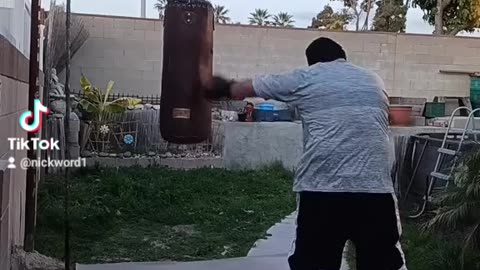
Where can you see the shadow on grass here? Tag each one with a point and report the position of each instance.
(155, 214)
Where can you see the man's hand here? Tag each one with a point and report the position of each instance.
(241, 90)
(219, 88)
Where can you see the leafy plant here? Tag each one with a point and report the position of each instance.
(460, 206)
(435, 251)
(99, 105)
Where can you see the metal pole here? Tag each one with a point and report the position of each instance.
(67, 135)
(144, 8)
(33, 90)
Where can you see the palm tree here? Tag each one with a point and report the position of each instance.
(460, 205)
(220, 14)
(160, 6)
(283, 19)
(259, 17)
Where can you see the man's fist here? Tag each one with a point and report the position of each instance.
(218, 88)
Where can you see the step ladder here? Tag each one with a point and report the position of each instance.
(468, 132)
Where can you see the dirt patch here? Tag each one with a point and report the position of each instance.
(188, 230)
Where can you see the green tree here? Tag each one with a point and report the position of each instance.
(283, 19)
(220, 14)
(450, 16)
(330, 20)
(460, 205)
(259, 17)
(390, 16)
(160, 6)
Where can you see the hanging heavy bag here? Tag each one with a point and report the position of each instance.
(185, 113)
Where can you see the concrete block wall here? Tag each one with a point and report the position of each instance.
(15, 24)
(13, 102)
(129, 51)
(419, 59)
(409, 64)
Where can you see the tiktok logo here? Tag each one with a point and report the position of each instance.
(34, 143)
(36, 115)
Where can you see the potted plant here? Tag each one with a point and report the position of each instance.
(98, 109)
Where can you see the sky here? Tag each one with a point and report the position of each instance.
(302, 10)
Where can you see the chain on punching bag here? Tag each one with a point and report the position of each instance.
(185, 114)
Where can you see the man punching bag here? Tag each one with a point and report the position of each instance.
(185, 114)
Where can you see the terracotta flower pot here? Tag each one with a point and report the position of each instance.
(400, 115)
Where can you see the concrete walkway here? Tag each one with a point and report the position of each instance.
(280, 241)
(253, 263)
(267, 254)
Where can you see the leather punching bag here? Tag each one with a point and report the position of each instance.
(185, 114)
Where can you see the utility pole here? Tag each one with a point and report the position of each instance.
(33, 93)
(144, 8)
(67, 135)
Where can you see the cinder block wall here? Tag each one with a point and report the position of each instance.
(13, 102)
(129, 51)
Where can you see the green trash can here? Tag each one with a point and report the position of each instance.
(434, 109)
(475, 94)
(476, 106)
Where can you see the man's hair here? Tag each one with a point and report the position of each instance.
(324, 50)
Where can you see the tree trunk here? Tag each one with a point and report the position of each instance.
(365, 24)
(357, 22)
(439, 19)
(353, 7)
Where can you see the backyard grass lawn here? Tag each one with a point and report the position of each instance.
(431, 250)
(156, 214)
(436, 250)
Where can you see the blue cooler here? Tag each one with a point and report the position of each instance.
(266, 112)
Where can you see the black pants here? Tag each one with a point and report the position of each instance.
(327, 220)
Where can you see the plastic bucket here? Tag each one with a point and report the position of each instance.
(400, 115)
